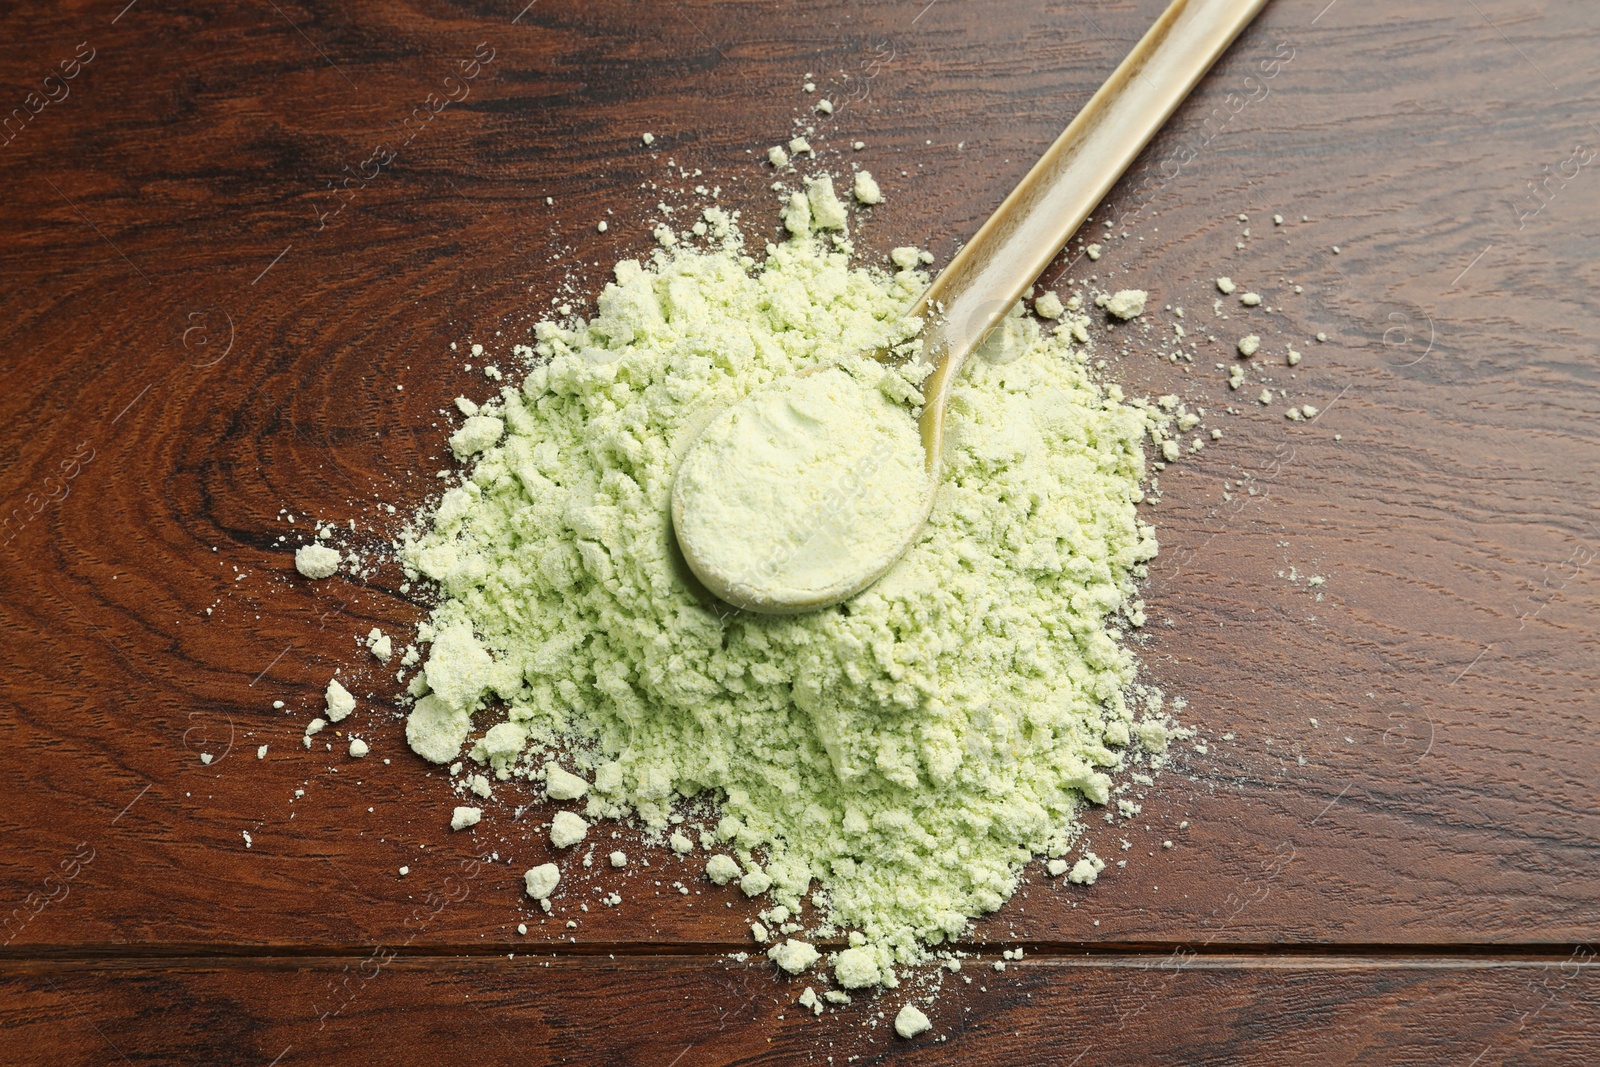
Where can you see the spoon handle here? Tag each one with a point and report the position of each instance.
(989, 274)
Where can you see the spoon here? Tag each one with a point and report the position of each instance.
(959, 309)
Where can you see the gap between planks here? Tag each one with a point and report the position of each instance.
(1108, 954)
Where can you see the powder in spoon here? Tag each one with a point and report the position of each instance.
(886, 766)
(806, 488)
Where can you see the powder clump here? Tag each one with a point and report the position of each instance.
(316, 561)
(893, 761)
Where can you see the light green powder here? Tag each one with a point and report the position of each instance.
(893, 761)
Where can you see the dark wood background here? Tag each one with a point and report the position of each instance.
(190, 344)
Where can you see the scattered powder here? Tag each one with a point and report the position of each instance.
(893, 761)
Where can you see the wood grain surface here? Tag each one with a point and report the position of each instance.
(219, 309)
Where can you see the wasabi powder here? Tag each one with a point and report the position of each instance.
(892, 761)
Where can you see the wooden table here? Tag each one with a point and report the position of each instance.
(224, 303)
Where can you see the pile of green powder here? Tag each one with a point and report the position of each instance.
(892, 762)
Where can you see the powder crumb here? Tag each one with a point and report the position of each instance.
(541, 881)
(358, 748)
(567, 829)
(1249, 345)
(261, 752)
(380, 645)
(648, 138)
(866, 188)
(827, 213)
(619, 859)
(793, 956)
(857, 968)
(316, 561)
(1293, 358)
(602, 226)
(777, 156)
(1057, 867)
(721, 869)
(1126, 304)
(1309, 411)
(798, 145)
(1093, 251)
(1048, 306)
(1086, 870)
(808, 999)
(1322, 337)
(906, 257)
(911, 1021)
(680, 844)
(825, 107)
(1225, 286)
(1251, 300)
(476, 434)
(1265, 397)
(1277, 220)
(340, 702)
(561, 784)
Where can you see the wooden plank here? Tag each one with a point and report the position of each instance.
(180, 306)
(1194, 1010)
